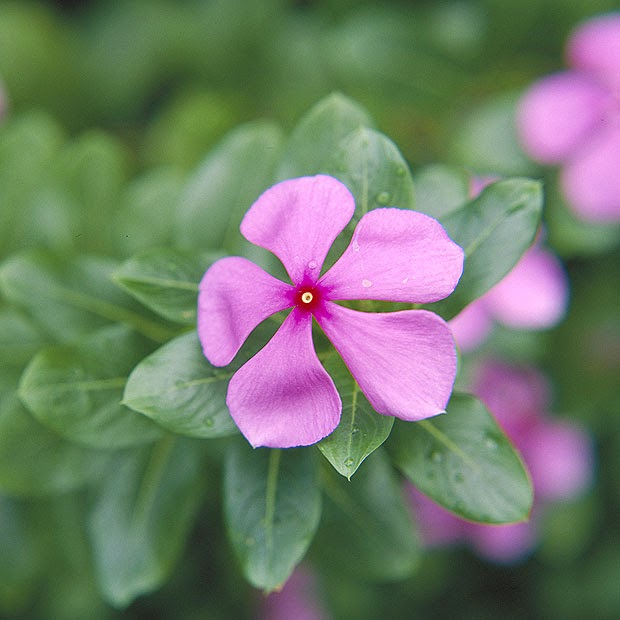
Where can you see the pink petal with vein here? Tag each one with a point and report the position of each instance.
(283, 397)
(235, 296)
(404, 362)
(557, 114)
(534, 295)
(298, 220)
(595, 47)
(396, 255)
(591, 180)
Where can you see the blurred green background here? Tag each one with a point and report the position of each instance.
(118, 102)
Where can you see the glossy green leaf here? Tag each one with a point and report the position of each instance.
(318, 134)
(464, 462)
(35, 461)
(361, 429)
(70, 296)
(440, 190)
(181, 391)
(494, 230)
(166, 281)
(373, 169)
(272, 507)
(367, 521)
(224, 186)
(76, 389)
(143, 515)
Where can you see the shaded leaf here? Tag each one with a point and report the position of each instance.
(76, 389)
(367, 529)
(143, 515)
(224, 186)
(361, 429)
(440, 190)
(20, 339)
(70, 296)
(464, 462)
(494, 231)
(166, 281)
(318, 134)
(178, 388)
(272, 507)
(35, 461)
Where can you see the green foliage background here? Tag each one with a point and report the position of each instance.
(136, 135)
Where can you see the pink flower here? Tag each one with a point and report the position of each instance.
(572, 118)
(533, 296)
(298, 600)
(404, 362)
(558, 454)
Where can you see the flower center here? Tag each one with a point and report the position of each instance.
(307, 297)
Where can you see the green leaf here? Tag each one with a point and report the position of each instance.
(151, 197)
(464, 462)
(272, 507)
(361, 429)
(166, 281)
(440, 190)
(318, 134)
(76, 389)
(494, 231)
(229, 180)
(181, 391)
(143, 515)
(20, 339)
(367, 521)
(373, 169)
(70, 296)
(35, 461)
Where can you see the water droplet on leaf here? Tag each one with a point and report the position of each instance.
(349, 462)
(209, 422)
(436, 457)
(490, 443)
(383, 198)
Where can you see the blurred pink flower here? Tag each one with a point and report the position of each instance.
(283, 397)
(557, 452)
(572, 119)
(533, 296)
(299, 599)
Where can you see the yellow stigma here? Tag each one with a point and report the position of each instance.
(307, 297)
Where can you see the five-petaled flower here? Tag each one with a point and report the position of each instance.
(404, 361)
(572, 118)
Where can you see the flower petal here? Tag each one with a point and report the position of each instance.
(235, 296)
(404, 362)
(283, 397)
(298, 220)
(557, 114)
(591, 181)
(396, 255)
(534, 295)
(595, 47)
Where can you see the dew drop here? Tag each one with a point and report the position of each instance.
(366, 283)
(349, 462)
(312, 264)
(490, 443)
(400, 171)
(209, 422)
(355, 431)
(405, 280)
(458, 477)
(437, 457)
(383, 198)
